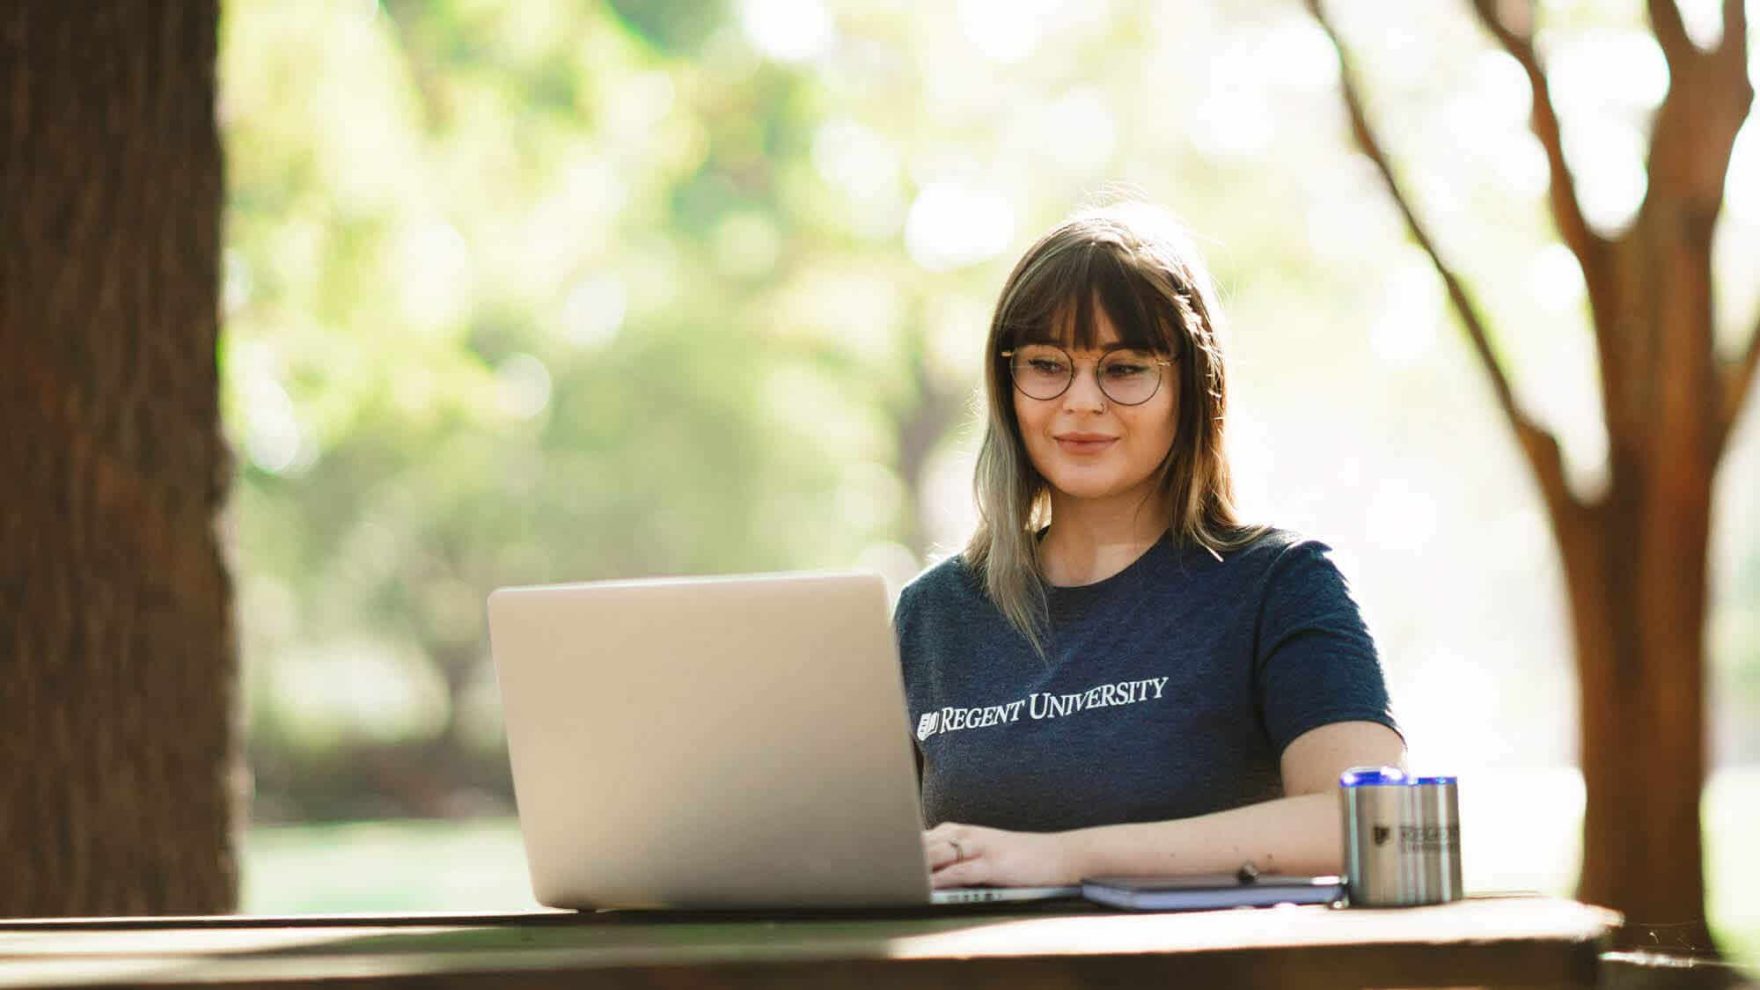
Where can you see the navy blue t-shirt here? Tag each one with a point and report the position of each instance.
(1171, 688)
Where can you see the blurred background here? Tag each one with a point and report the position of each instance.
(554, 291)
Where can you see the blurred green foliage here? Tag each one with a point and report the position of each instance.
(520, 293)
(538, 291)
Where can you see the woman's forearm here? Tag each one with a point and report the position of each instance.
(1292, 835)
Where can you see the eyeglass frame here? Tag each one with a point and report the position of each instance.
(1161, 362)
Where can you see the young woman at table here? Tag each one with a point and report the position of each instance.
(1116, 676)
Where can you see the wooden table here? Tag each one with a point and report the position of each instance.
(1501, 942)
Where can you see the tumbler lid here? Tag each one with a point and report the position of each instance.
(1432, 780)
(1371, 776)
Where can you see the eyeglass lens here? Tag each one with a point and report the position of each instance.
(1127, 377)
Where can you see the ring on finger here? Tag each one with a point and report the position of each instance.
(959, 852)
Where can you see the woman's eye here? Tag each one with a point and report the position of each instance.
(1046, 366)
(1124, 370)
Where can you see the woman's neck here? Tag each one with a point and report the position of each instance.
(1090, 540)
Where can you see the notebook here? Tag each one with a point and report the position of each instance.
(1212, 892)
(711, 743)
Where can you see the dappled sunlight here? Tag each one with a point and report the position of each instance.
(789, 30)
(862, 164)
(1075, 132)
(335, 692)
(1403, 517)
(273, 438)
(593, 311)
(1607, 83)
(955, 325)
(1006, 30)
(1405, 329)
(433, 275)
(1607, 71)
(957, 222)
(523, 385)
(850, 310)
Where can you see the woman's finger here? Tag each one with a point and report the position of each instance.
(947, 843)
(965, 873)
(940, 852)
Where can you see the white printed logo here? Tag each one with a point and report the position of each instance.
(926, 725)
(1040, 705)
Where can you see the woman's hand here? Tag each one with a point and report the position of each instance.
(971, 855)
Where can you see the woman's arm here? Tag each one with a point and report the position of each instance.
(1299, 833)
(1296, 834)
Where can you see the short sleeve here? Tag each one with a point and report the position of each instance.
(1314, 661)
(903, 627)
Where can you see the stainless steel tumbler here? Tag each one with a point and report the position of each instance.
(1379, 872)
(1435, 814)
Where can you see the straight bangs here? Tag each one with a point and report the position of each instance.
(1058, 306)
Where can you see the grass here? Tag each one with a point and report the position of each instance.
(476, 865)
(1520, 831)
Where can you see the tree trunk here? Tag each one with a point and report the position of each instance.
(1636, 562)
(117, 671)
(1638, 626)
(1634, 556)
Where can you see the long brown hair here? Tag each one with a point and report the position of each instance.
(1134, 261)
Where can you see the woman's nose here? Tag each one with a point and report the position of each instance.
(1084, 392)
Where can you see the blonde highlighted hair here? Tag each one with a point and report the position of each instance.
(1136, 263)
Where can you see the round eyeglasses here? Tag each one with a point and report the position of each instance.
(1128, 377)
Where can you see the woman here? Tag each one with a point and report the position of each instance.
(1116, 676)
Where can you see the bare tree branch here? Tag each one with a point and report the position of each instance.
(1567, 212)
(1540, 446)
(1671, 33)
(1734, 46)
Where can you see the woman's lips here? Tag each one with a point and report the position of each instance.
(1078, 445)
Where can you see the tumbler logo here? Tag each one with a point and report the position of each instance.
(1382, 834)
(926, 725)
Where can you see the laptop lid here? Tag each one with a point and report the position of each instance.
(710, 742)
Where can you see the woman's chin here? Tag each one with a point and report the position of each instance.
(1089, 487)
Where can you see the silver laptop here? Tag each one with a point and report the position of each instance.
(737, 742)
